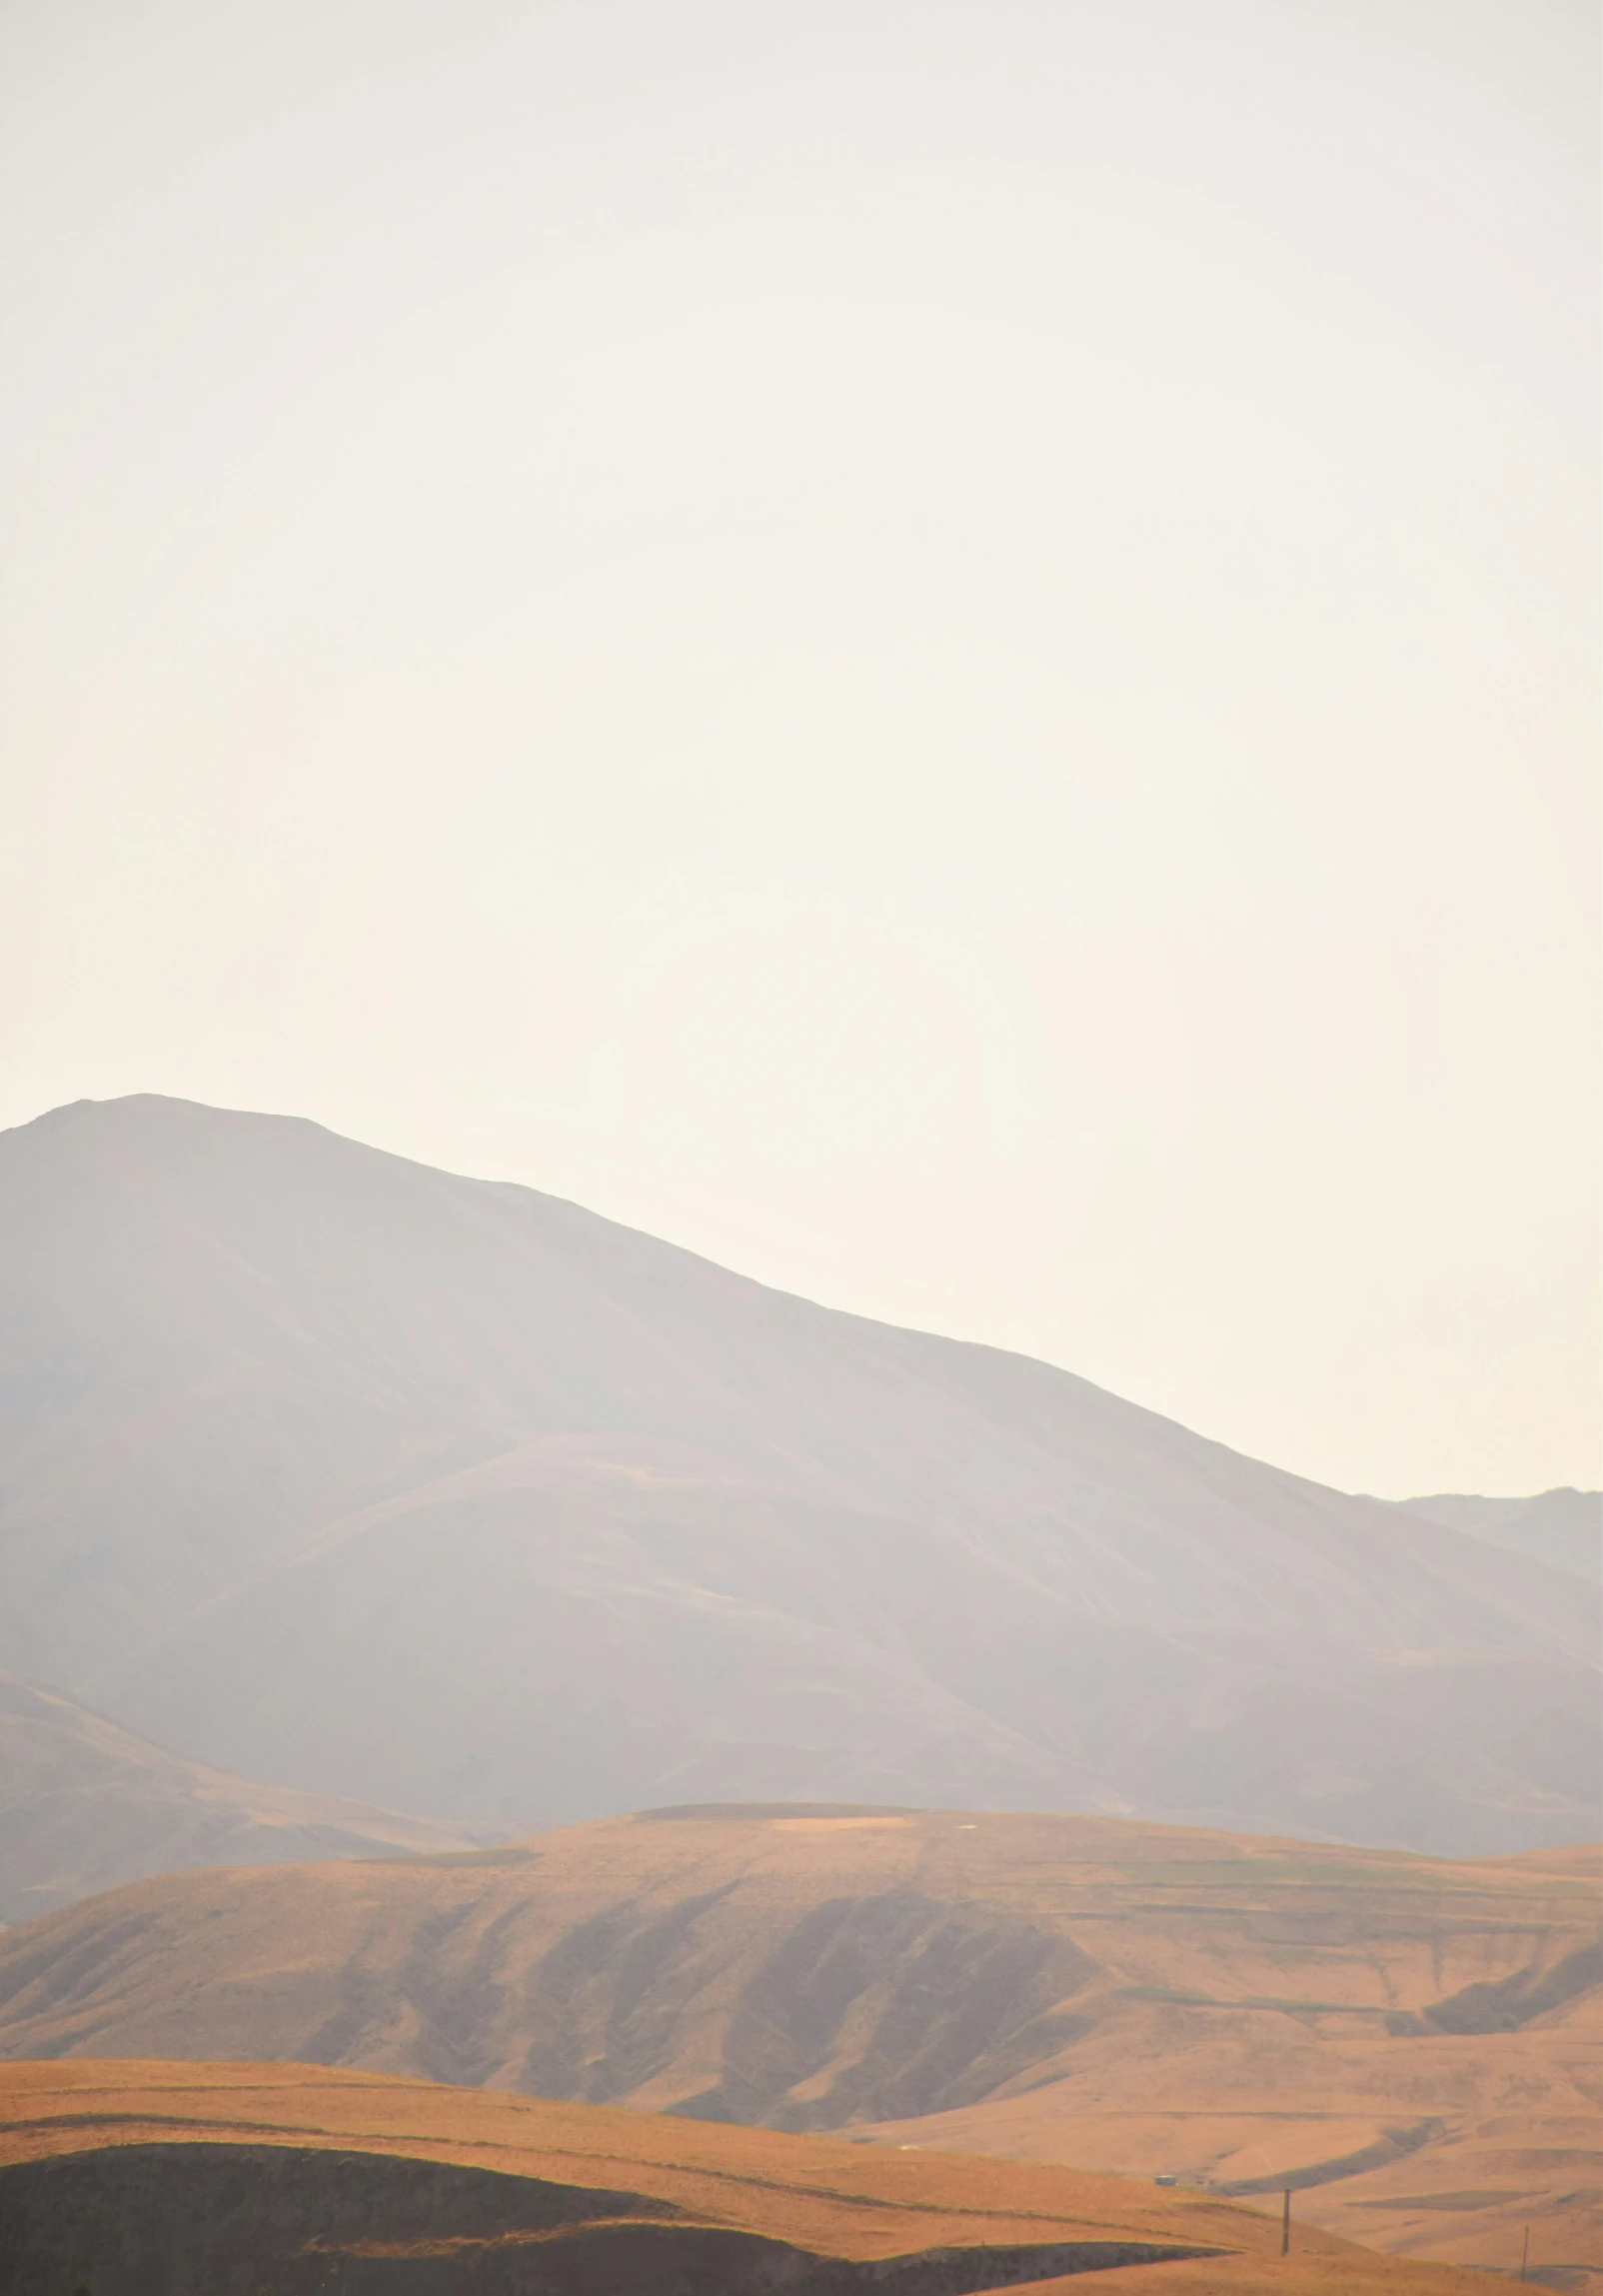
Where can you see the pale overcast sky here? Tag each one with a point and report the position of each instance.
(944, 648)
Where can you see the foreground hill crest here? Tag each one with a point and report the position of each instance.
(396, 2185)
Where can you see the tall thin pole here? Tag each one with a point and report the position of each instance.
(1285, 2225)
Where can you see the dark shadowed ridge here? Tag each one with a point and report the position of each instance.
(452, 1496)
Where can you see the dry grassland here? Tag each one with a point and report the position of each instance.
(1412, 2041)
(828, 2196)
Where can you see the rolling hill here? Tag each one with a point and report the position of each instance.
(395, 2188)
(450, 1496)
(1409, 2041)
(85, 1804)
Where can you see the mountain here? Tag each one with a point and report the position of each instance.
(451, 1496)
(84, 1804)
(1390, 2034)
(1562, 1528)
(398, 2187)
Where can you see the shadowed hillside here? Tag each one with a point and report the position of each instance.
(395, 2188)
(1365, 2027)
(330, 1468)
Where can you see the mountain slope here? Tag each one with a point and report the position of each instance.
(1562, 1528)
(85, 1804)
(455, 1497)
(1364, 2026)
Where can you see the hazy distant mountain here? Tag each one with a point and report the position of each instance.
(449, 1496)
(1563, 1528)
(84, 1805)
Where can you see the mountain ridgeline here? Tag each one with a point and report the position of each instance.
(1561, 1527)
(450, 1496)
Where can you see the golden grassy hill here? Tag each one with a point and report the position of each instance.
(594, 2197)
(1410, 2041)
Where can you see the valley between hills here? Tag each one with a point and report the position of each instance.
(1408, 2043)
(86, 1805)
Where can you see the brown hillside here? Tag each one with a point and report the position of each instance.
(483, 2185)
(1376, 2027)
(454, 1498)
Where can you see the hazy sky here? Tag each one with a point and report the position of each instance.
(948, 651)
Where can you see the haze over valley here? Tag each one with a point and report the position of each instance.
(87, 1804)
